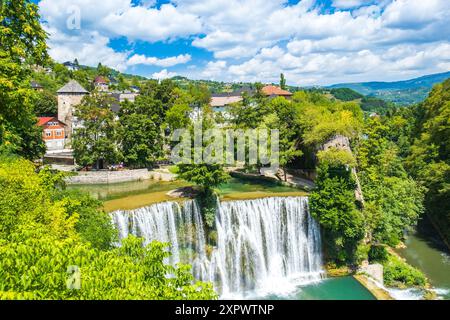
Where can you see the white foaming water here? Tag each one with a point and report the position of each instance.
(263, 246)
(405, 294)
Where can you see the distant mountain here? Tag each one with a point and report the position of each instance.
(400, 92)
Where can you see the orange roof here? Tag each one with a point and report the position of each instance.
(44, 120)
(274, 90)
(101, 80)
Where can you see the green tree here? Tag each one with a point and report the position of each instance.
(103, 70)
(41, 236)
(429, 158)
(284, 117)
(96, 141)
(19, 132)
(22, 43)
(21, 34)
(123, 83)
(283, 82)
(93, 225)
(177, 117)
(45, 104)
(205, 175)
(141, 140)
(333, 205)
(346, 94)
(393, 199)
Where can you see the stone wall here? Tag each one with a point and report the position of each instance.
(66, 102)
(374, 271)
(106, 177)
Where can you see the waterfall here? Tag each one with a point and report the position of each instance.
(260, 247)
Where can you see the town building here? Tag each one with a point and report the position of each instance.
(72, 66)
(101, 83)
(69, 96)
(219, 102)
(122, 96)
(54, 133)
(36, 86)
(272, 91)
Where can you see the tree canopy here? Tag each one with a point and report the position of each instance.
(52, 246)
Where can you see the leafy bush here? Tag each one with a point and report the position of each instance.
(378, 254)
(43, 232)
(333, 205)
(398, 273)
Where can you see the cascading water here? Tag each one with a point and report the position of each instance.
(260, 247)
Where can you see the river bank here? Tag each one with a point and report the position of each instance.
(137, 194)
(369, 284)
(425, 250)
(140, 194)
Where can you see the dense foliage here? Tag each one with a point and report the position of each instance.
(95, 142)
(334, 205)
(46, 232)
(140, 132)
(22, 43)
(397, 273)
(346, 94)
(393, 199)
(428, 160)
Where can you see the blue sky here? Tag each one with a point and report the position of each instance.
(314, 42)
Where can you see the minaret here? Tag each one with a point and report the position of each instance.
(69, 96)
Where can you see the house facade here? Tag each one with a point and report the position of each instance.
(101, 83)
(54, 133)
(219, 102)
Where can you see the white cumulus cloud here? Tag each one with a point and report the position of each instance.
(153, 61)
(163, 74)
(255, 40)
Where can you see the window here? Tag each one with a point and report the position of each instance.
(59, 133)
(48, 133)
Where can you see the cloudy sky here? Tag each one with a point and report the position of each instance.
(314, 42)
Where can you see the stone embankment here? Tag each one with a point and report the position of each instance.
(109, 177)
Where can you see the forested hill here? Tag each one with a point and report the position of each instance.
(372, 96)
(400, 92)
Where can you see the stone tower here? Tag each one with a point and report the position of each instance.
(69, 96)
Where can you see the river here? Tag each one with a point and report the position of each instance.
(426, 251)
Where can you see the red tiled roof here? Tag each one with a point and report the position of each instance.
(101, 80)
(274, 90)
(43, 120)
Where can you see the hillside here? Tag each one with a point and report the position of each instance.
(400, 92)
(372, 96)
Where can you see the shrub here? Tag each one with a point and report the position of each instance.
(378, 254)
(398, 273)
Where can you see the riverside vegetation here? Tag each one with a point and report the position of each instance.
(401, 159)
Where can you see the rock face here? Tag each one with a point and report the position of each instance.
(338, 141)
